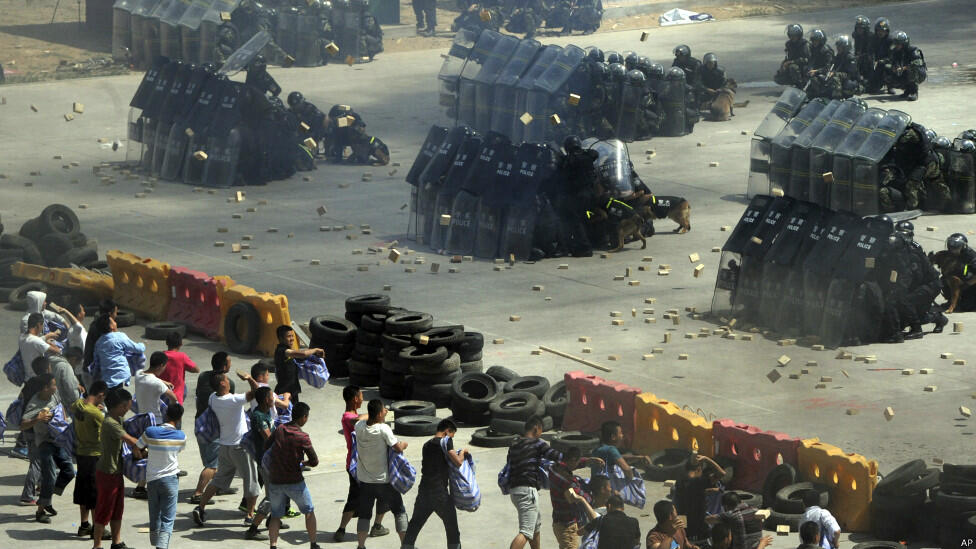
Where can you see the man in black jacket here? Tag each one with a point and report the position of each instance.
(617, 530)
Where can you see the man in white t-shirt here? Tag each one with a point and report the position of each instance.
(77, 334)
(149, 388)
(233, 459)
(374, 438)
(34, 343)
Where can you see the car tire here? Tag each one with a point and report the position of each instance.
(778, 477)
(406, 408)
(332, 329)
(162, 330)
(537, 385)
(58, 218)
(241, 314)
(53, 245)
(501, 374)
(574, 439)
(364, 337)
(446, 336)
(486, 438)
(423, 357)
(473, 392)
(900, 476)
(17, 299)
(76, 256)
(777, 518)
(470, 346)
(437, 379)
(368, 303)
(472, 367)
(789, 499)
(519, 405)
(27, 247)
(507, 426)
(125, 318)
(451, 364)
(337, 369)
(409, 323)
(668, 464)
(440, 395)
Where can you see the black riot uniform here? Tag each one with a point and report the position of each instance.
(526, 18)
(371, 39)
(307, 113)
(894, 275)
(905, 68)
(792, 71)
(579, 173)
(692, 66)
(584, 16)
(880, 51)
(821, 59)
(862, 45)
(712, 78)
(926, 285)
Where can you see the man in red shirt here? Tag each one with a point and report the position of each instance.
(177, 364)
(354, 400)
(289, 449)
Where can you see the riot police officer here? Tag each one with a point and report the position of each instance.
(307, 113)
(614, 57)
(844, 80)
(894, 276)
(630, 60)
(585, 15)
(965, 269)
(712, 78)
(594, 119)
(862, 46)
(259, 79)
(927, 286)
(821, 64)
(371, 38)
(526, 18)
(792, 70)
(618, 73)
(905, 68)
(684, 61)
(579, 173)
(880, 51)
(908, 168)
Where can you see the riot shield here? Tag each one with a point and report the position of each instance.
(463, 231)
(842, 173)
(121, 28)
(348, 29)
(523, 125)
(170, 108)
(819, 266)
(435, 136)
(535, 165)
(137, 24)
(545, 93)
(480, 54)
(630, 99)
(613, 167)
(786, 106)
(169, 32)
(727, 278)
(452, 67)
(960, 179)
(866, 163)
(797, 186)
(148, 84)
(748, 294)
(203, 88)
(673, 105)
(484, 81)
(150, 31)
(464, 160)
(787, 317)
(240, 59)
(494, 201)
(215, 113)
(780, 154)
(780, 257)
(189, 26)
(822, 148)
(154, 104)
(286, 31)
(213, 19)
(223, 144)
(504, 98)
(432, 178)
(868, 242)
(308, 52)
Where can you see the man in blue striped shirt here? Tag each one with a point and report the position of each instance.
(164, 442)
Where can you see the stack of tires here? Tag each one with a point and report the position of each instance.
(414, 418)
(954, 501)
(783, 495)
(337, 337)
(899, 498)
(367, 351)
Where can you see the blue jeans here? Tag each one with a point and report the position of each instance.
(56, 471)
(163, 494)
(280, 494)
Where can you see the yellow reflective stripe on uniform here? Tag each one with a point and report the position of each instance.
(371, 139)
(965, 270)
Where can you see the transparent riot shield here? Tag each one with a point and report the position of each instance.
(730, 263)
(869, 240)
(780, 154)
(788, 318)
(452, 67)
(480, 55)
(150, 31)
(866, 163)
(286, 31)
(154, 104)
(211, 21)
(613, 167)
(842, 172)
(432, 178)
(961, 180)
(169, 31)
(189, 26)
(745, 306)
(349, 28)
(214, 114)
(435, 136)
(535, 165)
(630, 99)
(167, 114)
(137, 51)
(494, 202)
(504, 98)
(526, 124)
(798, 185)
(786, 106)
(308, 51)
(199, 102)
(484, 81)
(463, 230)
(819, 265)
(673, 105)
(121, 29)
(134, 132)
(822, 148)
(220, 169)
(545, 94)
(780, 259)
(463, 162)
(240, 59)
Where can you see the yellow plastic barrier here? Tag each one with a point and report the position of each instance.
(82, 280)
(272, 312)
(661, 424)
(141, 284)
(850, 477)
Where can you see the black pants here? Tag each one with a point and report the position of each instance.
(85, 493)
(428, 503)
(425, 10)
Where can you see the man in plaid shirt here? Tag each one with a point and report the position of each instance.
(741, 519)
(565, 514)
(524, 465)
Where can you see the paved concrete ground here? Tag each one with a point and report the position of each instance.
(396, 95)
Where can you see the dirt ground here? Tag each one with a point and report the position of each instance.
(48, 39)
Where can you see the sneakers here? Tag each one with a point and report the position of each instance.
(18, 453)
(252, 534)
(181, 473)
(199, 516)
(378, 530)
(249, 521)
(120, 545)
(140, 492)
(195, 499)
(85, 530)
(314, 546)
(41, 517)
(50, 511)
(28, 502)
(940, 323)
(339, 535)
(291, 513)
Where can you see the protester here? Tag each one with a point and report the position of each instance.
(524, 468)
(54, 462)
(262, 427)
(564, 486)
(69, 388)
(829, 529)
(291, 453)
(149, 388)
(88, 416)
(741, 520)
(107, 307)
(164, 443)
(220, 364)
(690, 492)
(353, 396)
(617, 530)
(433, 495)
(260, 375)
(73, 321)
(669, 532)
(374, 439)
(809, 535)
(233, 460)
(178, 364)
(34, 342)
(286, 369)
(611, 437)
(40, 365)
(108, 470)
(112, 349)
(37, 303)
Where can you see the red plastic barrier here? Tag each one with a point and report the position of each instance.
(194, 300)
(756, 452)
(593, 401)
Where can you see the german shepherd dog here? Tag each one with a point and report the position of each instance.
(675, 208)
(722, 107)
(951, 267)
(632, 225)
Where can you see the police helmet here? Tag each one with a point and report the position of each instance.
(901, 39)
(631, 60)
(967, 146)
(862, 22)
(614, 57)
(710, 58)
(897, 239)
(817, 37)
(209, 67)
(968, 134)
(794, 30)
(906, 227)
(676, 74)
(956, 241)
(600, 71)
(295, 99)
(843, 43)
(882, 24)
(885, 218)
(930, 135)
(644, 63)
(682, 51)
(618, 71)
(942, 142)
(595, 55)
(636, 76)
(656, 71)
(572, 143)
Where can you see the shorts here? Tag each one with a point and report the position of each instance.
(352, 499)
(567, 534)
(86, 491)
(235, 461)
(111, 497)
(209, 452)
(280, 494)
(526, 502)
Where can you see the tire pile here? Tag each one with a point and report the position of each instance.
(52, 239)
(917, 503)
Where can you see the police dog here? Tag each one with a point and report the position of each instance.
(950, 267)
(675, 208)
(722, 108)
(631, 227)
